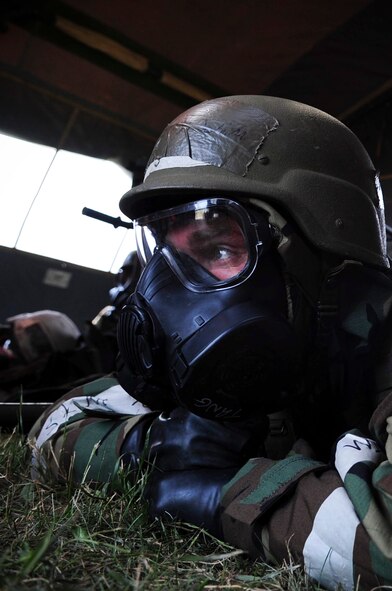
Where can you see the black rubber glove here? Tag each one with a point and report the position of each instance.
(192, 459)
(133, 447)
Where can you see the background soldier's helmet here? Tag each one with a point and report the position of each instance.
(301, 161)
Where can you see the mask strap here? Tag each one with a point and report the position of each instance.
(328, 304)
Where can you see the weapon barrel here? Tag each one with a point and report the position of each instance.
(103, 217)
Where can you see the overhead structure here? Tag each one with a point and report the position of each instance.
(103, 78)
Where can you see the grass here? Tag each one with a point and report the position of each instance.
(54, 538)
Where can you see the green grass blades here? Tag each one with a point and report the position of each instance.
(56, 538)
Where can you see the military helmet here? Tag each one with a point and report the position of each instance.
(300, 160)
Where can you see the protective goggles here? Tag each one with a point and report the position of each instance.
(210, 244)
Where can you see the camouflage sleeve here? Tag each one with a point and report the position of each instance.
(336, 520)
(79, 437)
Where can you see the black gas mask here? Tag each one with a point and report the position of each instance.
(208, 318)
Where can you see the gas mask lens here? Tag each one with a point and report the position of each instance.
(209, 244)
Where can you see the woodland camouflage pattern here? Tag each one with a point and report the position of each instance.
(72, 441)
(335, 519)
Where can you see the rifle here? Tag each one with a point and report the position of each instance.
(103, 217)
(21, 414)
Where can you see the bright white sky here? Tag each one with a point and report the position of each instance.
(43, 193)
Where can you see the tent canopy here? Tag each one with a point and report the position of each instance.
(103, 78)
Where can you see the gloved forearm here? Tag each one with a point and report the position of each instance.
(79, 438)
(333, 518)
(189, 495)
(192, 458)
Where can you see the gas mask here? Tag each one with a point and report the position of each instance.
(208, 318)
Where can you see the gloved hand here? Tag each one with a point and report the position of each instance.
(133, 448)
(192, 458)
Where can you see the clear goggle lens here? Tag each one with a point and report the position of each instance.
(210, 244)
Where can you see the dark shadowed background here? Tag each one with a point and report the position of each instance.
(103, 79)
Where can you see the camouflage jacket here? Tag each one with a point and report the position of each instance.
(335, 519)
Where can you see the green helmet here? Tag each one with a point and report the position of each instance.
(301, 161)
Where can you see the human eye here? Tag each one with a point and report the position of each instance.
(219, 252)
(222, 260)
(217, 246)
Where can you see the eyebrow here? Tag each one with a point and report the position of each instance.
(200, 235)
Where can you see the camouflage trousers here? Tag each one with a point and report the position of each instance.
(334, 519)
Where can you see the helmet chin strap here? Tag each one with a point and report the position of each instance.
(315, 279)
(301, 264)
(328, 303)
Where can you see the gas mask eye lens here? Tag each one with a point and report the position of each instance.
(209, 244)
(217, 243)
